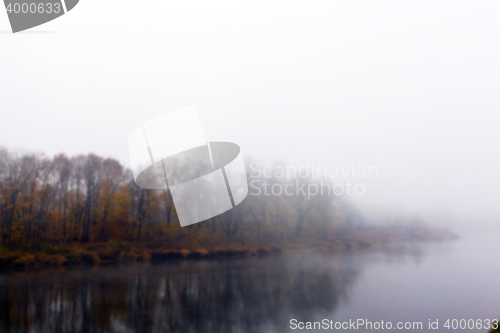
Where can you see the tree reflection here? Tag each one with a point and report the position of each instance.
(232, 296)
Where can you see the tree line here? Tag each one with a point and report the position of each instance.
(88, 198)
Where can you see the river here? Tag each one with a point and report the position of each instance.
(404, 284)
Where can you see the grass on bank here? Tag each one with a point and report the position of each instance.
(52, 255)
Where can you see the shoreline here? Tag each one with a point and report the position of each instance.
(76, 254)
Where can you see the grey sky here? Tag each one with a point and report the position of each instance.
(411, 87)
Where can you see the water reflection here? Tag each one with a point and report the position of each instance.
(251, 295)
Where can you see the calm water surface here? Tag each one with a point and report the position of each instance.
(459, 279)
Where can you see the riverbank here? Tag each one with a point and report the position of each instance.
(52, 255)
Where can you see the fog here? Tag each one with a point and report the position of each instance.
(411, 88)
